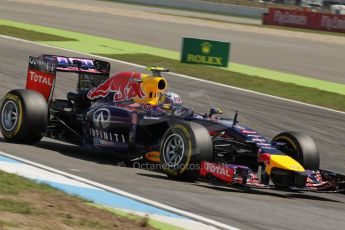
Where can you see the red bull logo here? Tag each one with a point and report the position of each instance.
(125, 86)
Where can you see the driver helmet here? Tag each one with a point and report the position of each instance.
(172, 99)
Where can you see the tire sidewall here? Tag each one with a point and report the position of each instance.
(306, 151)
(32, 116)
(188, 142)
(15, 98)
(291, 140)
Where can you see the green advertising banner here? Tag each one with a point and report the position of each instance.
(205, 52)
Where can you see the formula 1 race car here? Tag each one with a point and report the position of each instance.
(134, 114)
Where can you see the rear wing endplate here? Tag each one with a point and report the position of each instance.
(42, 70)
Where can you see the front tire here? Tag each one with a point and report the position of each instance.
(24, 116)
(300, 147)
(183, 147)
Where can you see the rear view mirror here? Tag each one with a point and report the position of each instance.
(214, 111)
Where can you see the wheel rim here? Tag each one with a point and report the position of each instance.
(173, 150)
(9, 116)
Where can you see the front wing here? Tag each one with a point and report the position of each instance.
(319, 180)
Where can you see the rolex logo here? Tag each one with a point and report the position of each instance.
(206, 47)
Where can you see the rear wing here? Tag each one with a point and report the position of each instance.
(42, 70)
(79, 65)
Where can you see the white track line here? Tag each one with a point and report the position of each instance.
(176, 74)
(126, 194)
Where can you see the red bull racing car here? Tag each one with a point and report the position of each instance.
(134, 115)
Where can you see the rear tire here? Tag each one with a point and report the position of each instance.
(183, 147)
(300, 147)
(24, 116)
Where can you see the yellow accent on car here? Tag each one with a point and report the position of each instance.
(283, 162)
(189, 150)
(20, 117)
(16, 99)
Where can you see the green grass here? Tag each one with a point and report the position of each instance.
(10, 205)
(282, 89)
(4, 224)
(13, 184)
(31, 35)
(143, 220)
(83, 222)
(13, 200)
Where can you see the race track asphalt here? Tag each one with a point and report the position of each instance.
(246, 209)
(292, 55)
